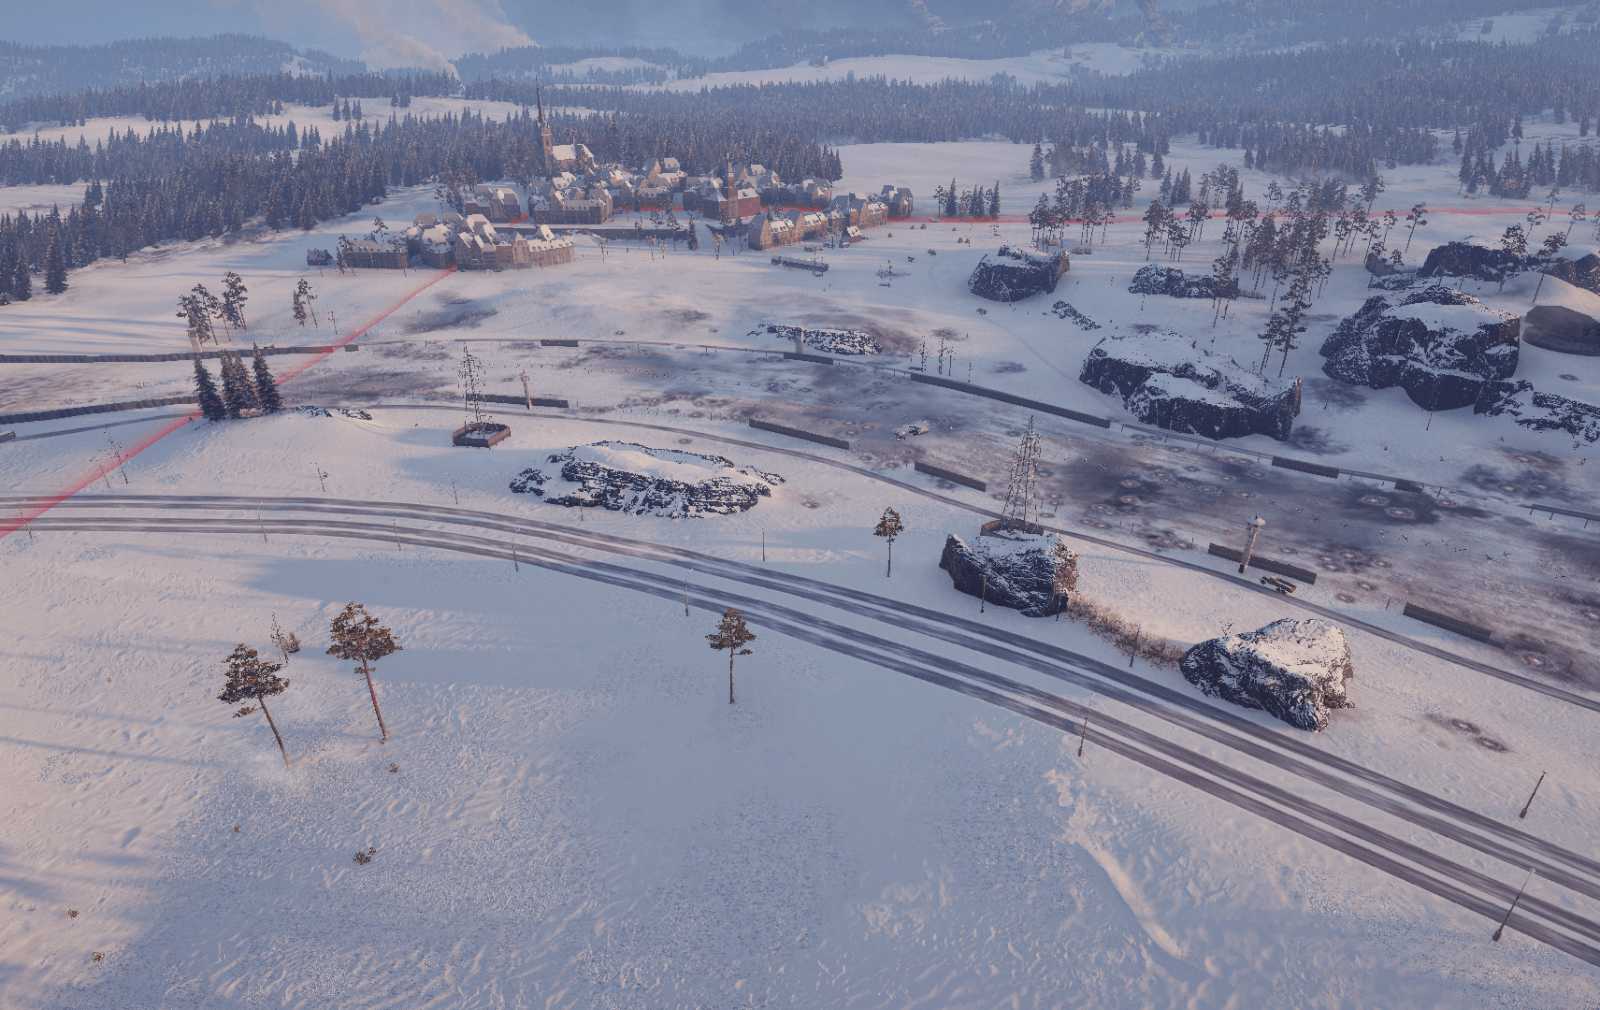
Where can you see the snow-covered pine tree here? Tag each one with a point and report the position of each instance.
(733, 635)
(1036, 164)
(889, 526)
(234, 296)
(55, 264)
(359, 636)
(22, 281)
(252, 679)
(238, 395)
(266, 386)
(205, 390)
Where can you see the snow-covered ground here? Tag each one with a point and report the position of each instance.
(570, 814)
(579, 819)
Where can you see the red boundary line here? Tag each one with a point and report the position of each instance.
(12, 524)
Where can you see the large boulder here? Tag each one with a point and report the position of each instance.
(1013, 274)
(1294, 669)
(628, 477)
(1583, 272)
(1559, 328)
(1173, 384)
(1463, 259)
(1441, 346)
(1008, 568)
(1538, 411)
(1154, 279)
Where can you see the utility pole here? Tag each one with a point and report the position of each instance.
(983, 593)
(1514, 901)
(1083, 734)
(1252, 531)
(1525, 806)
(763, 546)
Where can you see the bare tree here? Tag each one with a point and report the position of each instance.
(358, 636)
(287, 642)
(251, 678)
(733, 635)
(889, 526)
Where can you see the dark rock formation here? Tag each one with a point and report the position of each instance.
(1154, 279)
(1169, 383)
(1558, 328)
(1065, 310)
(1538, 411)
(1580, 273)
(1463, 259)
(829, 341)
(628, 477)
(1294, 669)
(1014, 274)
(1009, 569)
(1440, 345)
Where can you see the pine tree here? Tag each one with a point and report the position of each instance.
(22, 281)
(1036, 164)
(889, 526)
(234, 296)
(266, 386)
(359, 636)
(731, 634)
(55, 264)
(205, 389)
(238, 395)
(251, 678)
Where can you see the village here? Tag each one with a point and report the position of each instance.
(493, 227)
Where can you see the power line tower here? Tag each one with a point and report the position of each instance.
(471, 372)
(1021, 507)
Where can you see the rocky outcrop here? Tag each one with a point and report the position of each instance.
(1538, 411)
(1295, 669)
(1166, 381)
(825, 339)
(1154, 279)
(1012, 274)
(1009, 569)
(628, 477)
(1463, 259)
(1558, 328)
(1441, 346)
(1583, 272)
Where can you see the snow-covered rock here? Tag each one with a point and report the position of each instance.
(1563, 329)
(1155, 279)
(1166, 381)
(1013, 274)
(1294, 668)
(1009, 569)
(1539, 411)
(1440, 345)
(1463, 259)
(628, 477)
(825, 339)
(1583, 272)
(1065, 310)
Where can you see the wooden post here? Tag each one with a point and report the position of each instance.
(763, 546)
(1083, 734)
(983, 593)
(1531, 795)
(1514, 901)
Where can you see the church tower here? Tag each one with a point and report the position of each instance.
(730, 193)
(546, 143)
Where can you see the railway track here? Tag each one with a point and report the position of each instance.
(1470, 888)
